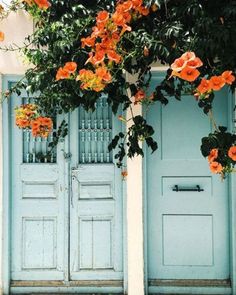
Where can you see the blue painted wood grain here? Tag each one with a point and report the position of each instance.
(63, 229)
(188, 232)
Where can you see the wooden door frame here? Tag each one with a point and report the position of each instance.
(6, 200)
(64, 147)
(157, 72)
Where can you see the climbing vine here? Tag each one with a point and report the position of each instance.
(81, 50)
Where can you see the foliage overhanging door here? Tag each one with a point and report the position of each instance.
(96, 200)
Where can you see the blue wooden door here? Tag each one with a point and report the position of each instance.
(38, 206)
(96, 201)
(188, 235)
(66, 212)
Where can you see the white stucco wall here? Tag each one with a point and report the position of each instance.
(135, 234)
(16, 27)
(135, 215)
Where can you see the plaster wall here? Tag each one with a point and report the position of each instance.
(16, 27)
(135, 214)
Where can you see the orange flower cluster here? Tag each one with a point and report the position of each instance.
(232, 153)
(104, 39)
(108, 30)
(215, 166)
(66, 71)
(42, 4)
(103, 43)
(124, 174)
(2, 36)
(94, 81)
(27, 116)
(186, 66)
(214, 83)
(41, 126)
(141, 97)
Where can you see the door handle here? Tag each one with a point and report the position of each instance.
(73, 179)
(197, 188)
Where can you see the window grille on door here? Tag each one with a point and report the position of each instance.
(95, 132)
(37, 149)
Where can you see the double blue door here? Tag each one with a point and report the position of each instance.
(66, 209)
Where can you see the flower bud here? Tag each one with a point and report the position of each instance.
(145, 51)
(154, 7)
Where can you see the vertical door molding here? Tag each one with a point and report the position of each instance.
(63, 157)
(232, 207)
(232, 203)
(6, 221)
(135, 218)
(1, 192)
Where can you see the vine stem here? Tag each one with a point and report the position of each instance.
(212, 119)
(3, 94)
(131, 111)
(16, 48)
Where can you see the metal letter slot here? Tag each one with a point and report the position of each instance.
(194, 189)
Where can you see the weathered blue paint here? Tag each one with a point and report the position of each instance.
(6, 123)
(183, 219)
(64, 224)
(38, 194)
(96, 214)
(232, 200)
(68, 290)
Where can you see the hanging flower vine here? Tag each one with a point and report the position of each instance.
(83, 50)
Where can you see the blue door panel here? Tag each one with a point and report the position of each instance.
(96, 204)
(188, 231)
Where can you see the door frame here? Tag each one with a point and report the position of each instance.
(62, 149)
(6, 204)
(160, 74)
